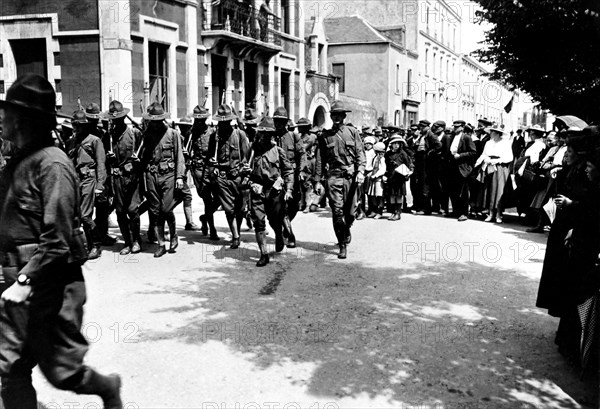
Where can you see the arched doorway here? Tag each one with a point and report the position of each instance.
(319, 117)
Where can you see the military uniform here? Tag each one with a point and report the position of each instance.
(340, 159)
(42, 249)
(89, 159)
(163, 161)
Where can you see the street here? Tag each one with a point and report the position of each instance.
(425, 312)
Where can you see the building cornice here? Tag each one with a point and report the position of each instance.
(439, 44)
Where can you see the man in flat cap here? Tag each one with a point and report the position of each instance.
(293, 147)
(42, 249)
(423, 144)
(341, 158)
(439, 200)
(459, 155)
(124, 167)
(230, 149)
(164, 164)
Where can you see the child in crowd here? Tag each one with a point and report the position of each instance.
(397, 175)
(376, 180)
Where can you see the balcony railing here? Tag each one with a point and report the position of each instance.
(244, 19)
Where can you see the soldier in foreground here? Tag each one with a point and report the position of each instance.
(42, 250)
(124, 167)
(272, 181)
(162, 157)
(340, 152)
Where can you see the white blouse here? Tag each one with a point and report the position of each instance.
(501, 149)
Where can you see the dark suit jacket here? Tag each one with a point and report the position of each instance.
(467, 154)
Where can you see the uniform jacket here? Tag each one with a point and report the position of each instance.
(466, 150)
(89, 153)
(269, 165)
(340, 149)
(165, 151)
(232, 151)
(125, 146)
(199, 146)
(293, 146)
(42, 208)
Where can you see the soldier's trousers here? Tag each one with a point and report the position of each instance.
(230, 194)
(270, 206)
(206, 190)
(127, 201)
(104, 208)
(44, 332)
(341, 194)
(293, 205)
(87, 188)
(161, 193)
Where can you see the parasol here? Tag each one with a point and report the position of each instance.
(570, 120)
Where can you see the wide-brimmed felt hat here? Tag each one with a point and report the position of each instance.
(397, 138)
(280, 113)
(291, 124)
(536, 128)
(186, 121)
(303, 123)
(224, 114)
(379, 147)
(79, 117)
(115, 111)
(390, 126)
(369, 139)
(495, 129)
(266, 125)
(251, 117)
(338, 107)
(31, 92)
(156, 112)
(92, 111)
(200, 113)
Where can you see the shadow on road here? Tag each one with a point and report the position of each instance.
(465, 335)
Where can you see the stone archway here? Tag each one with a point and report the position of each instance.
(318, 111)
(319, 117)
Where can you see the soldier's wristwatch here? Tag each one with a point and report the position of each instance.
(22, 279)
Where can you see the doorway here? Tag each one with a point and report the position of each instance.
(30, 56)
(219, 79)
(250, 83)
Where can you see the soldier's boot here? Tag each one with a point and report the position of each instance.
(342, 253)
(160, 236)
(279, 241)
(134, 227)
(96, 250)
(210, 220)
(348, 236)
(235, 235)
(189, 219)
(107, 387)
(18, 393)
(151, 235)
(399, 210)
(239, 218)
(340, 233)
(125, 232)
(264, 257)
(174, 240)
(291, 238)
(204, 223)
(249, 221)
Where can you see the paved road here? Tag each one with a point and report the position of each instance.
(425, 312)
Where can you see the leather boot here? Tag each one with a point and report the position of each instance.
(18, 393)
(107, 387)
(189, 219)
(160, 236)
(348, 238)
(291, 238)
(264, 257)
(235, 241)
(249, 221)
(95, 252)
(172, 232)
(279, 241)
(125, 232)
(342, 253)
(151, 235)
(204, 228)
(134, 226)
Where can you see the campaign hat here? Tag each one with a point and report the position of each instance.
(115, 111)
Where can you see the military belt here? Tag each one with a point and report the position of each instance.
(116, 172)
(340, 173)
(86, 172)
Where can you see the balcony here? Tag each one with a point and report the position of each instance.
(242, 27)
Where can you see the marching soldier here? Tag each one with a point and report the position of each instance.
(124, 168)
(197, 136)
(103, 201)
(89, 159)
(293, 147)
(272, 183)
(341, 153)
(250, 122)
(230, 149)
(41, 250)
(162, 158)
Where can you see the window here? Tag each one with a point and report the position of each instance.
(441, 62)
(30, 56)
(433, 67)
(339, 71)
(426, 60)
(57, 86)
(409, 82)
(320, 58)
(447, 70)
(285, 90)
(454, 38)
(285, 16)
(2, 90)
(159, 74)
(57, 58)
(427, 19)
(1, 61)
(397, 78)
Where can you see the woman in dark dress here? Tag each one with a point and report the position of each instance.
(568, 257)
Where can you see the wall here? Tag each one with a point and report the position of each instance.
(169, 11)
(80, 69)
(72, 14)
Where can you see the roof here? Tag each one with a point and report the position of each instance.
(352, 29)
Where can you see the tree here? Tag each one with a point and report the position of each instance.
(548, 48)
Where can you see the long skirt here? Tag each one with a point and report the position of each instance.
(494, 187)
